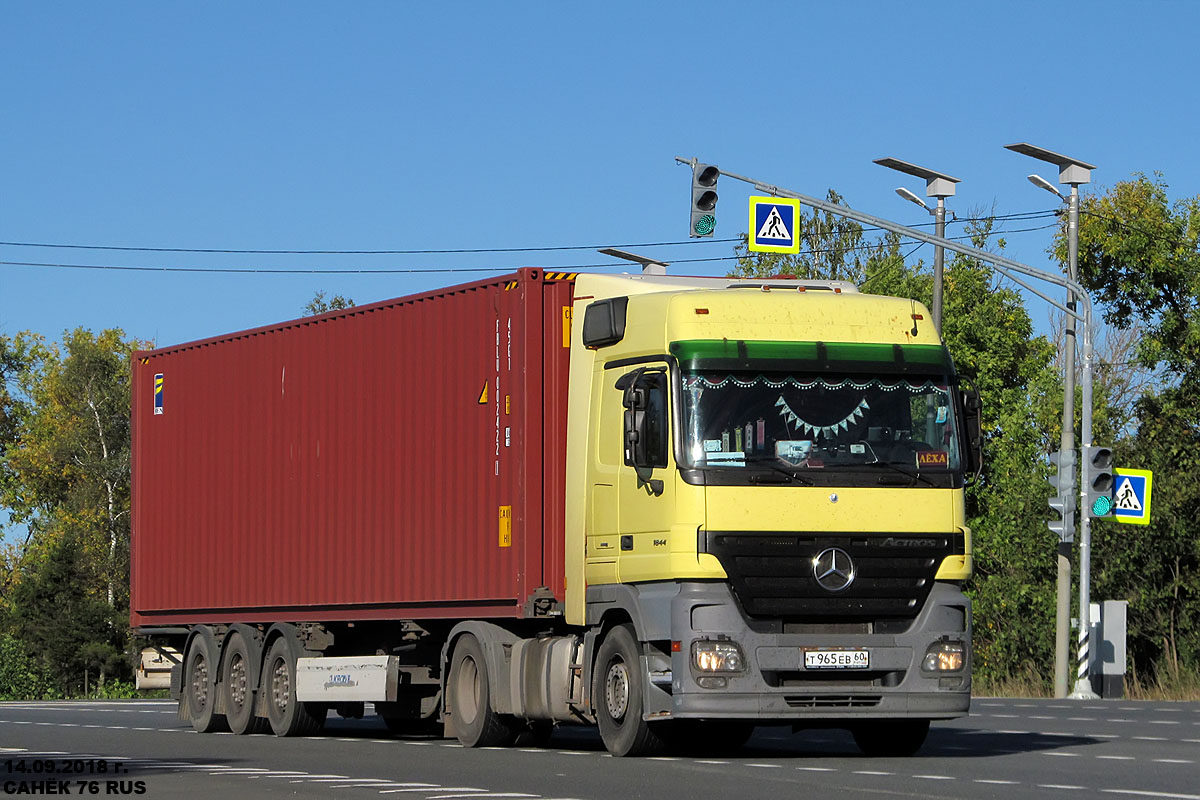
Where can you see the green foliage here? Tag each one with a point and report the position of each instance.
(1139, 258)
(21, 676)
(319, 305)
(64, 478)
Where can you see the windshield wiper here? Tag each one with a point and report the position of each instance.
(913, 474)
(769, 463)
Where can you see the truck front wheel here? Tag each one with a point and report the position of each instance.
(617, 686)
(475, 723)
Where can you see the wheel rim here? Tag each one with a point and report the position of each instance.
(467, 690)
(200, 682)
(616, 690)
(281, 685)
(237, 680)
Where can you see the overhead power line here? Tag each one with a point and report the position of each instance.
(1019, 216)
(352, 270)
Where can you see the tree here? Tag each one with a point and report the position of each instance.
(319, 305)
(1139, 259)
(64, 477)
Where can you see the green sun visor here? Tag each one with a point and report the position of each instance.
(737, 354)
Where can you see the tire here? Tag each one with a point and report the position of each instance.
(891, 737)
(287, 715)
(238, 662)
(200, 684)
(710, 737)
(476, 724)
(617, 687)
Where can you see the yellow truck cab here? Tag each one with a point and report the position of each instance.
(765, 509)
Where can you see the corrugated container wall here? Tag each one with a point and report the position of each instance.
(398, 460)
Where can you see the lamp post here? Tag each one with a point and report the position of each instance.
(1072, 172)
(649, 265)
(937, 185)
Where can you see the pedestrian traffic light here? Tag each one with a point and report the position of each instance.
(704, 200)
(1062, 503)
(1098, 484)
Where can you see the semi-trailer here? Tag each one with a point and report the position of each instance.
(671, 507)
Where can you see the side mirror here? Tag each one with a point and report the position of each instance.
(973, 428)
(645, 419)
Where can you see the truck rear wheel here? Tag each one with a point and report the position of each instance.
(200, 683)
(287, 715)
(890, 737)
(476, 724)
(617, 686)
(237, 665)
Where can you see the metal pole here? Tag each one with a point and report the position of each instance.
(1083, 683)
(1062, 617)
(939, 254)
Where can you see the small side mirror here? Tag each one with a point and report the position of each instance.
(604, 322)
(645, 419)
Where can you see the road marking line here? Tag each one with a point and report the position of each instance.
(871, 772)
(1059, 786)
(711, 762)
(1117, 758)
(1081, 719)
(817, 769)
(345, 778)
(438, 790)
(1143, 793)
(1174, 761)
(1150, 738)
(13, 750)
(1105, 735)
(488, 794)
(662, 758)
(1164, 722)
(998, 782)
(765, 766)
(1061, 755)
(935, 777)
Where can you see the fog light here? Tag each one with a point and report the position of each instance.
(944, 656)
(712, 656)
(712, 682)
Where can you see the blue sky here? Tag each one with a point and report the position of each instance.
(361, 126)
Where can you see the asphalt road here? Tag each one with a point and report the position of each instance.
(1010, 749)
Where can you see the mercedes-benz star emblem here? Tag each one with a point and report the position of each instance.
(833, 569)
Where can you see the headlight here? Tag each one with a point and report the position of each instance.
(944, 656)
(717, 656)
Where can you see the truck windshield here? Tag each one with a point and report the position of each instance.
(833, 415)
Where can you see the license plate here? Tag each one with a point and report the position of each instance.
(837, 659)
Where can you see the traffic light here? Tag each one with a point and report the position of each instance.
(704, 200)
(1097, 465)
(1062, 504)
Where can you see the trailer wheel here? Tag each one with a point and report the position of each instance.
(236, 687)
(891, 737)
(475, 723)
(617, 686)
(200, 684)
(287, 715)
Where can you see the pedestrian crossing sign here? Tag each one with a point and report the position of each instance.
(773, 225)
(1131, 495)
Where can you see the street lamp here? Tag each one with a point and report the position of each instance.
(1073, 172)
(649, 265)
(937, 185)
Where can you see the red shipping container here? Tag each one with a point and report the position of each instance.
(400, 460)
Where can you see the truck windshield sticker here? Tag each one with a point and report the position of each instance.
(158, 393)
(933, 458)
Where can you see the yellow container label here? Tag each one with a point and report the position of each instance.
(566, 326)
(506, 526)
